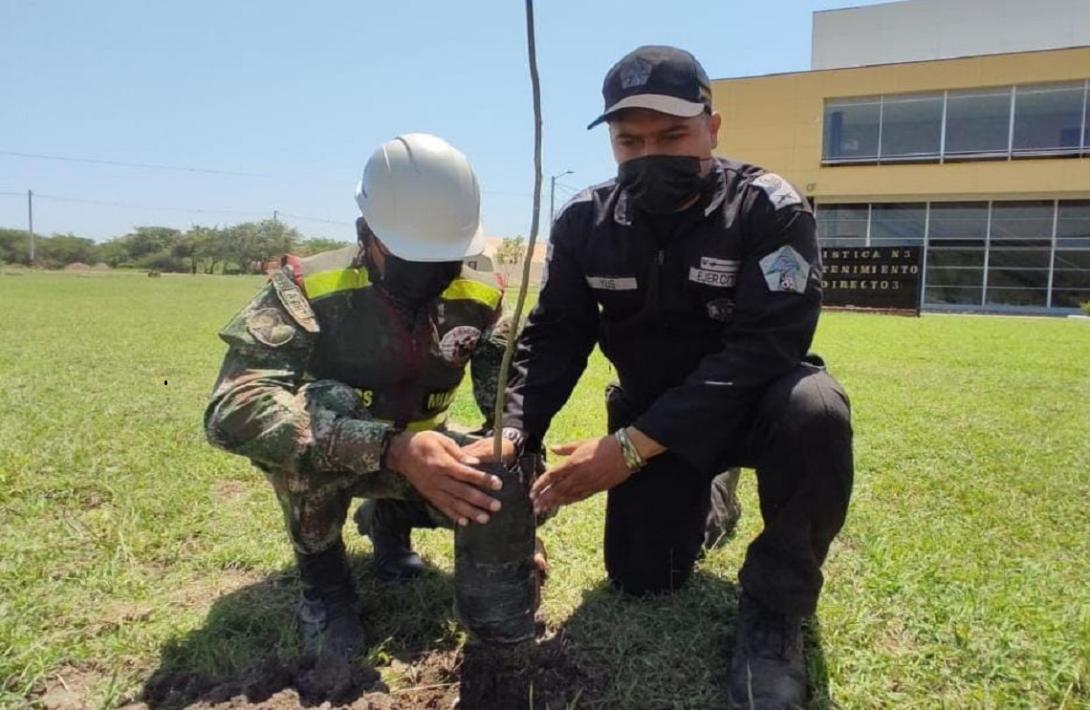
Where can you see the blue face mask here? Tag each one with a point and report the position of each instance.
(661, 184)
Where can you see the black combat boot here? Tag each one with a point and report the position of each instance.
(767, 671)
(389, 524)
(328, 624)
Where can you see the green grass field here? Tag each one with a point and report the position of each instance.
(131, 549)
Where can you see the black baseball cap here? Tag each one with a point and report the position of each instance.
(664, 79)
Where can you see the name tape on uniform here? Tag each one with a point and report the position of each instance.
(719, 279)
(613, 283)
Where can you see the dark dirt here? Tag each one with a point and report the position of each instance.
(70, 688)
(275, 683)
(476, 678)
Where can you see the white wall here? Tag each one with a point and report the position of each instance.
(917, 30)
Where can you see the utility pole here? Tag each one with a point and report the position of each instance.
(276, 216)
(30, 222)
(552, 195)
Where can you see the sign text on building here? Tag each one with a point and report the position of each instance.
(885, 278)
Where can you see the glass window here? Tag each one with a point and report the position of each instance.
(1048, 118)
(1069, 298)
(959, 220)
(898, 223)
(1073, 224)
(955, 277)
(1023, 223)
(941, 256)
(911, 126)
(1070, 259)
(1018, 258)
(1017, 278)
(851, 130)
(953, 295)
(1071, 278)
(978, 122)
(842, 225)
(1017, 296)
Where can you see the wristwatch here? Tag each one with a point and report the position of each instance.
(632, 458)
(516, 437)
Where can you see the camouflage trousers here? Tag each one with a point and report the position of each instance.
(315, 503)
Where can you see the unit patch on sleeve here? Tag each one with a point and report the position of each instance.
(269, 326)
(779, 191)
(785, 270)
(458, 344)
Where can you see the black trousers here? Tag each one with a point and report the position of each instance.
(799, 440)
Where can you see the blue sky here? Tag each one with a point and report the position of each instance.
(297, 95)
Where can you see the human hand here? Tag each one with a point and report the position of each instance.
(482, 450)
(593, 465)
(443, 474)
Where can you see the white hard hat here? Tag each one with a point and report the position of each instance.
(419, 195)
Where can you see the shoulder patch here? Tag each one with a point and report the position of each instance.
(780, 192)
(294, 301)
(458, 343)
(269, 326)
(785, 270)
(584, 196)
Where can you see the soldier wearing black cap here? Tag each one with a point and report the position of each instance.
(700, 279)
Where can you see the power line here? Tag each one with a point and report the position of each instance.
(123, 164)
(508, 194)
(317, 219)
(173, 208)
(179, 168)
(130, 205)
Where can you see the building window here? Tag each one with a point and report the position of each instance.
(911, 127)
(1024, 254)
(978, 123)
(956, 253)
(1071, 262)
(851, 130)
(900, 224)
(1048, 119)
(842, 225)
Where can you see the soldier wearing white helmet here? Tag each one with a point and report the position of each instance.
(340, 373)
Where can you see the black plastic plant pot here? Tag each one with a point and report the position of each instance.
(494, 564)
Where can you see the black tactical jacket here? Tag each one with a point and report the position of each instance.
(698, 311)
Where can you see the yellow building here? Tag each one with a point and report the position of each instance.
(983, 161)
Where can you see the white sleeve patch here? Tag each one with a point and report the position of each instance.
(779, 191)
(785, 270)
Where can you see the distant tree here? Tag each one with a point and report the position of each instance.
(140, 246)
(209, 247)
(13, 246)
(510, 251)
(317, 245)
(251, 244)
(61, 249)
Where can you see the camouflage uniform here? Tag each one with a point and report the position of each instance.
(323, 369)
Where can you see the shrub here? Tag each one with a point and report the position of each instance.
(1086, 308)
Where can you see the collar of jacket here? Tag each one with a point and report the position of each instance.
(623, 209)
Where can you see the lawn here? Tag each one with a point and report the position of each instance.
(135, 558)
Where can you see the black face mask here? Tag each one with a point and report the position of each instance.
(415, 283)
(661, 184)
